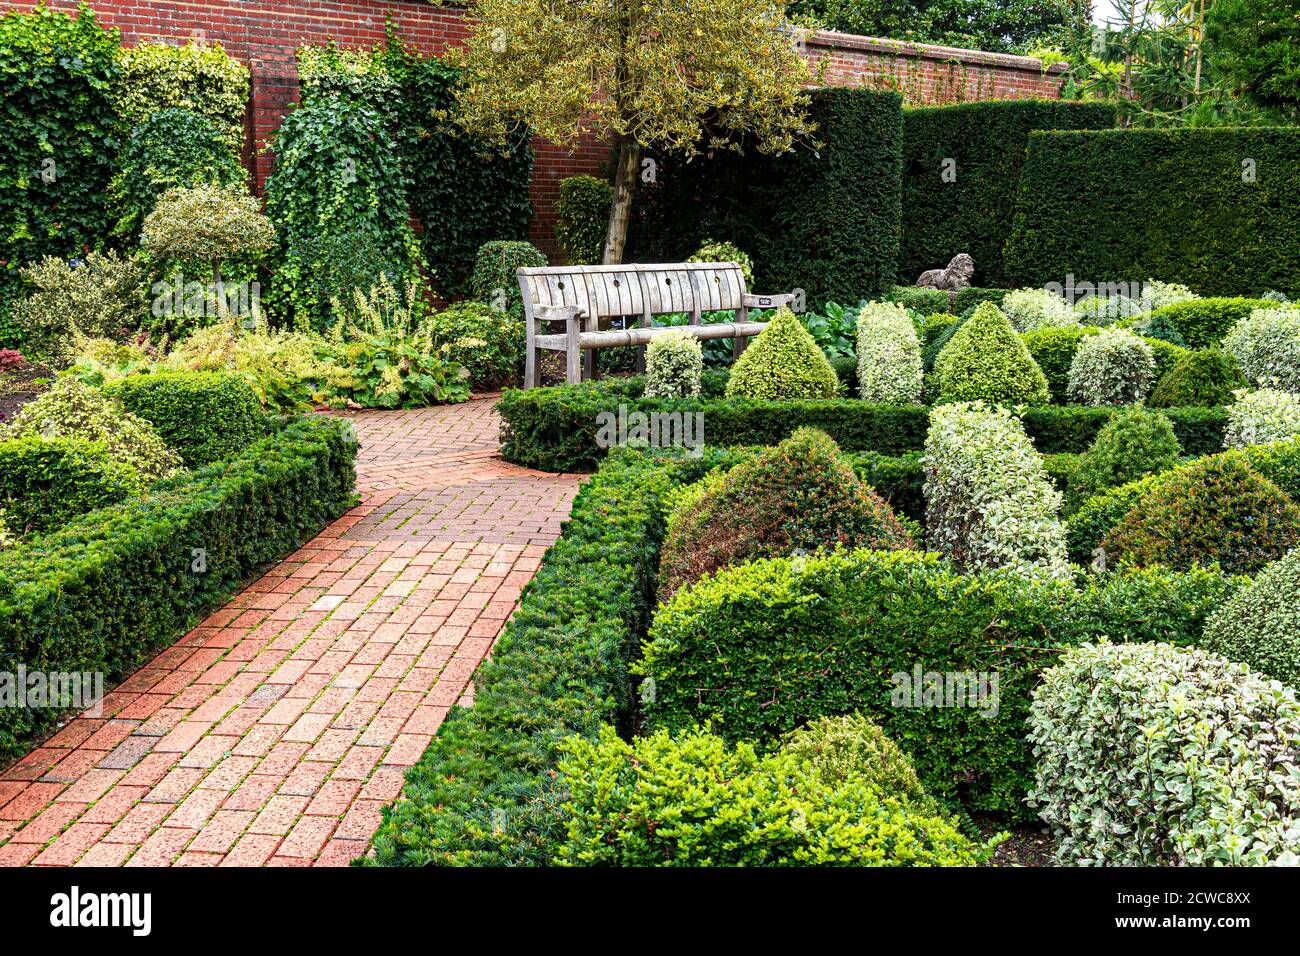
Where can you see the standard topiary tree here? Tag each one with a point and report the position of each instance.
(890, 369)
(1113, 367)
(674, 363)
(1262, 416)
(712, 250)
(800, 494)
(1133, 443)
(1260, 625)
(783, 363)
(989, 502)
(1206, 378)
(494, 280)
(985, 360)
(1267, 346)
(1214, 509)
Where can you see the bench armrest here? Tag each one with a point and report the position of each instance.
(557, 313)
(767, 301)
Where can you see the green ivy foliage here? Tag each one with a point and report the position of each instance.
(971, 209)
(582, 219)
(1219, 209)
(337, 200)
(58, 140)
(464, 192)
(172, 147)
(198, 77)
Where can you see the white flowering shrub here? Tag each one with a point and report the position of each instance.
(1028, 309)
(1262, 416)
(1154, 755)
(1157, 294)
(989, 501)
(674, 363)
(1266, 344)
(890, 366)
(1113, 367)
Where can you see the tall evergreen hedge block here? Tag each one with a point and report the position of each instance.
(1216, 209)
(824, 220)
(970, 210)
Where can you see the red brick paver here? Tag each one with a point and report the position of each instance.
(274, 732)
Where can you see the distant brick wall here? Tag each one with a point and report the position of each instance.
(264, 34)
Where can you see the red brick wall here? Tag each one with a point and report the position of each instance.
(264, 34)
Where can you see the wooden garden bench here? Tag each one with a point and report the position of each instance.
(581, 296)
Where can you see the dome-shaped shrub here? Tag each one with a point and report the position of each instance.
(783, 362)
(889, 355)
(1053, 348)
(1260, 625)
(1133, 443)
(839, 749)
(989, 502)
(1106, 309)
(801, 494)
(674, 362)
(1159, 295)
(1028, 309)
(1214, 509)
(1267, 346)
(1113, 367)
(1206, 377)
(1262, 416)
(985, 360)
(1204, 322)
(72, 409)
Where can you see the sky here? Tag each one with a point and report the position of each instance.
(1103, 10)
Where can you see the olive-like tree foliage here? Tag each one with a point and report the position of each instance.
(678, 76)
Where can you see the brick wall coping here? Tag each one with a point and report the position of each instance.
(834, 40)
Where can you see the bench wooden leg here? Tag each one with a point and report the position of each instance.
(738, 345)
(532, 363)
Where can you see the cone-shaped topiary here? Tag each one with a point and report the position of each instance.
(1206, 377)
(1260, 626)
(1133, 443)
(784, 362)
(986, 360)
(800, 494)
(1215, 509)
(889, 355)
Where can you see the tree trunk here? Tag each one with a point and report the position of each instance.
(219, 289)
(629, 162)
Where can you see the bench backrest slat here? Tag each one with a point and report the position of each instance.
(636, 289)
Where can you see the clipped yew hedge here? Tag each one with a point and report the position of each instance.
(112, 586)
(556, 428)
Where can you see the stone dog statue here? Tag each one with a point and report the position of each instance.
(956, 276)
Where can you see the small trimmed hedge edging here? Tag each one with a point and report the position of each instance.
(556, 428)
(112, 586)
(484, 792)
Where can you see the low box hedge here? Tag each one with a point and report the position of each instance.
(205, 416)
(556, 428)
(483, 793)
(45, 482)
(760, 648)
(110, 587)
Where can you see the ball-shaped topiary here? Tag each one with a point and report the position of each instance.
(989, 502)
(889, 355)
(783, 362)
(1159, 295)
(1205, 377)
(1029, 309)
(712, 250)
(1262, 416)
(1133, 443)
(1113, 367)
(1106, 309)
(985, 360)
(1215, 509)
(839, 749)
(799, 495)
(1260, 625)
(494, 280)
(674, 363)
(1267, 346)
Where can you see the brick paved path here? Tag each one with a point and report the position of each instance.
(275, 731)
